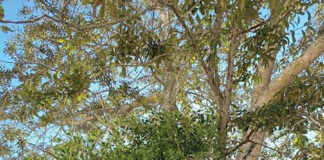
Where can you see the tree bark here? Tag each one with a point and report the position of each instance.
(169, 92)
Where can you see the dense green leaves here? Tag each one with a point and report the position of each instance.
(157, 135)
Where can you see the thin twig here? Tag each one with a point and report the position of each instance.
(7, 61)
(31, 20)
(262, 23)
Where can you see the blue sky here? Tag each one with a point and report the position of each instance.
(11, 8)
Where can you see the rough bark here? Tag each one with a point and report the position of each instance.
(169, 92)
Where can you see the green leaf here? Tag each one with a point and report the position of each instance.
(307, 23)
(1, 12)
(60, 40)
(80, 97)
(309, 17)
(293, 36)
(311, 28)
(250, 15)
(72, 49)
(6, 29)
(85, 2)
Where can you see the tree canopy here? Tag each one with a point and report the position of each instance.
(163, 79)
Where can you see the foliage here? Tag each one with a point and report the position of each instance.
(157, 135)
(88, 79)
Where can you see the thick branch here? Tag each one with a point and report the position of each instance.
(230, 61)
(265, 73)
(213, 84)
(290, 72)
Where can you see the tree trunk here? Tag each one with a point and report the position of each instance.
(169, 92)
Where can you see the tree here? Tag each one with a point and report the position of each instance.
(257, 64)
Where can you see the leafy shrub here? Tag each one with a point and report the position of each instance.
(158, 135)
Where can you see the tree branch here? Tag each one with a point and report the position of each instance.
(315, 122)
(230, 60)
(245, 140)
(290, 72)
(213, 84)
(264, 22)
(30, 21)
